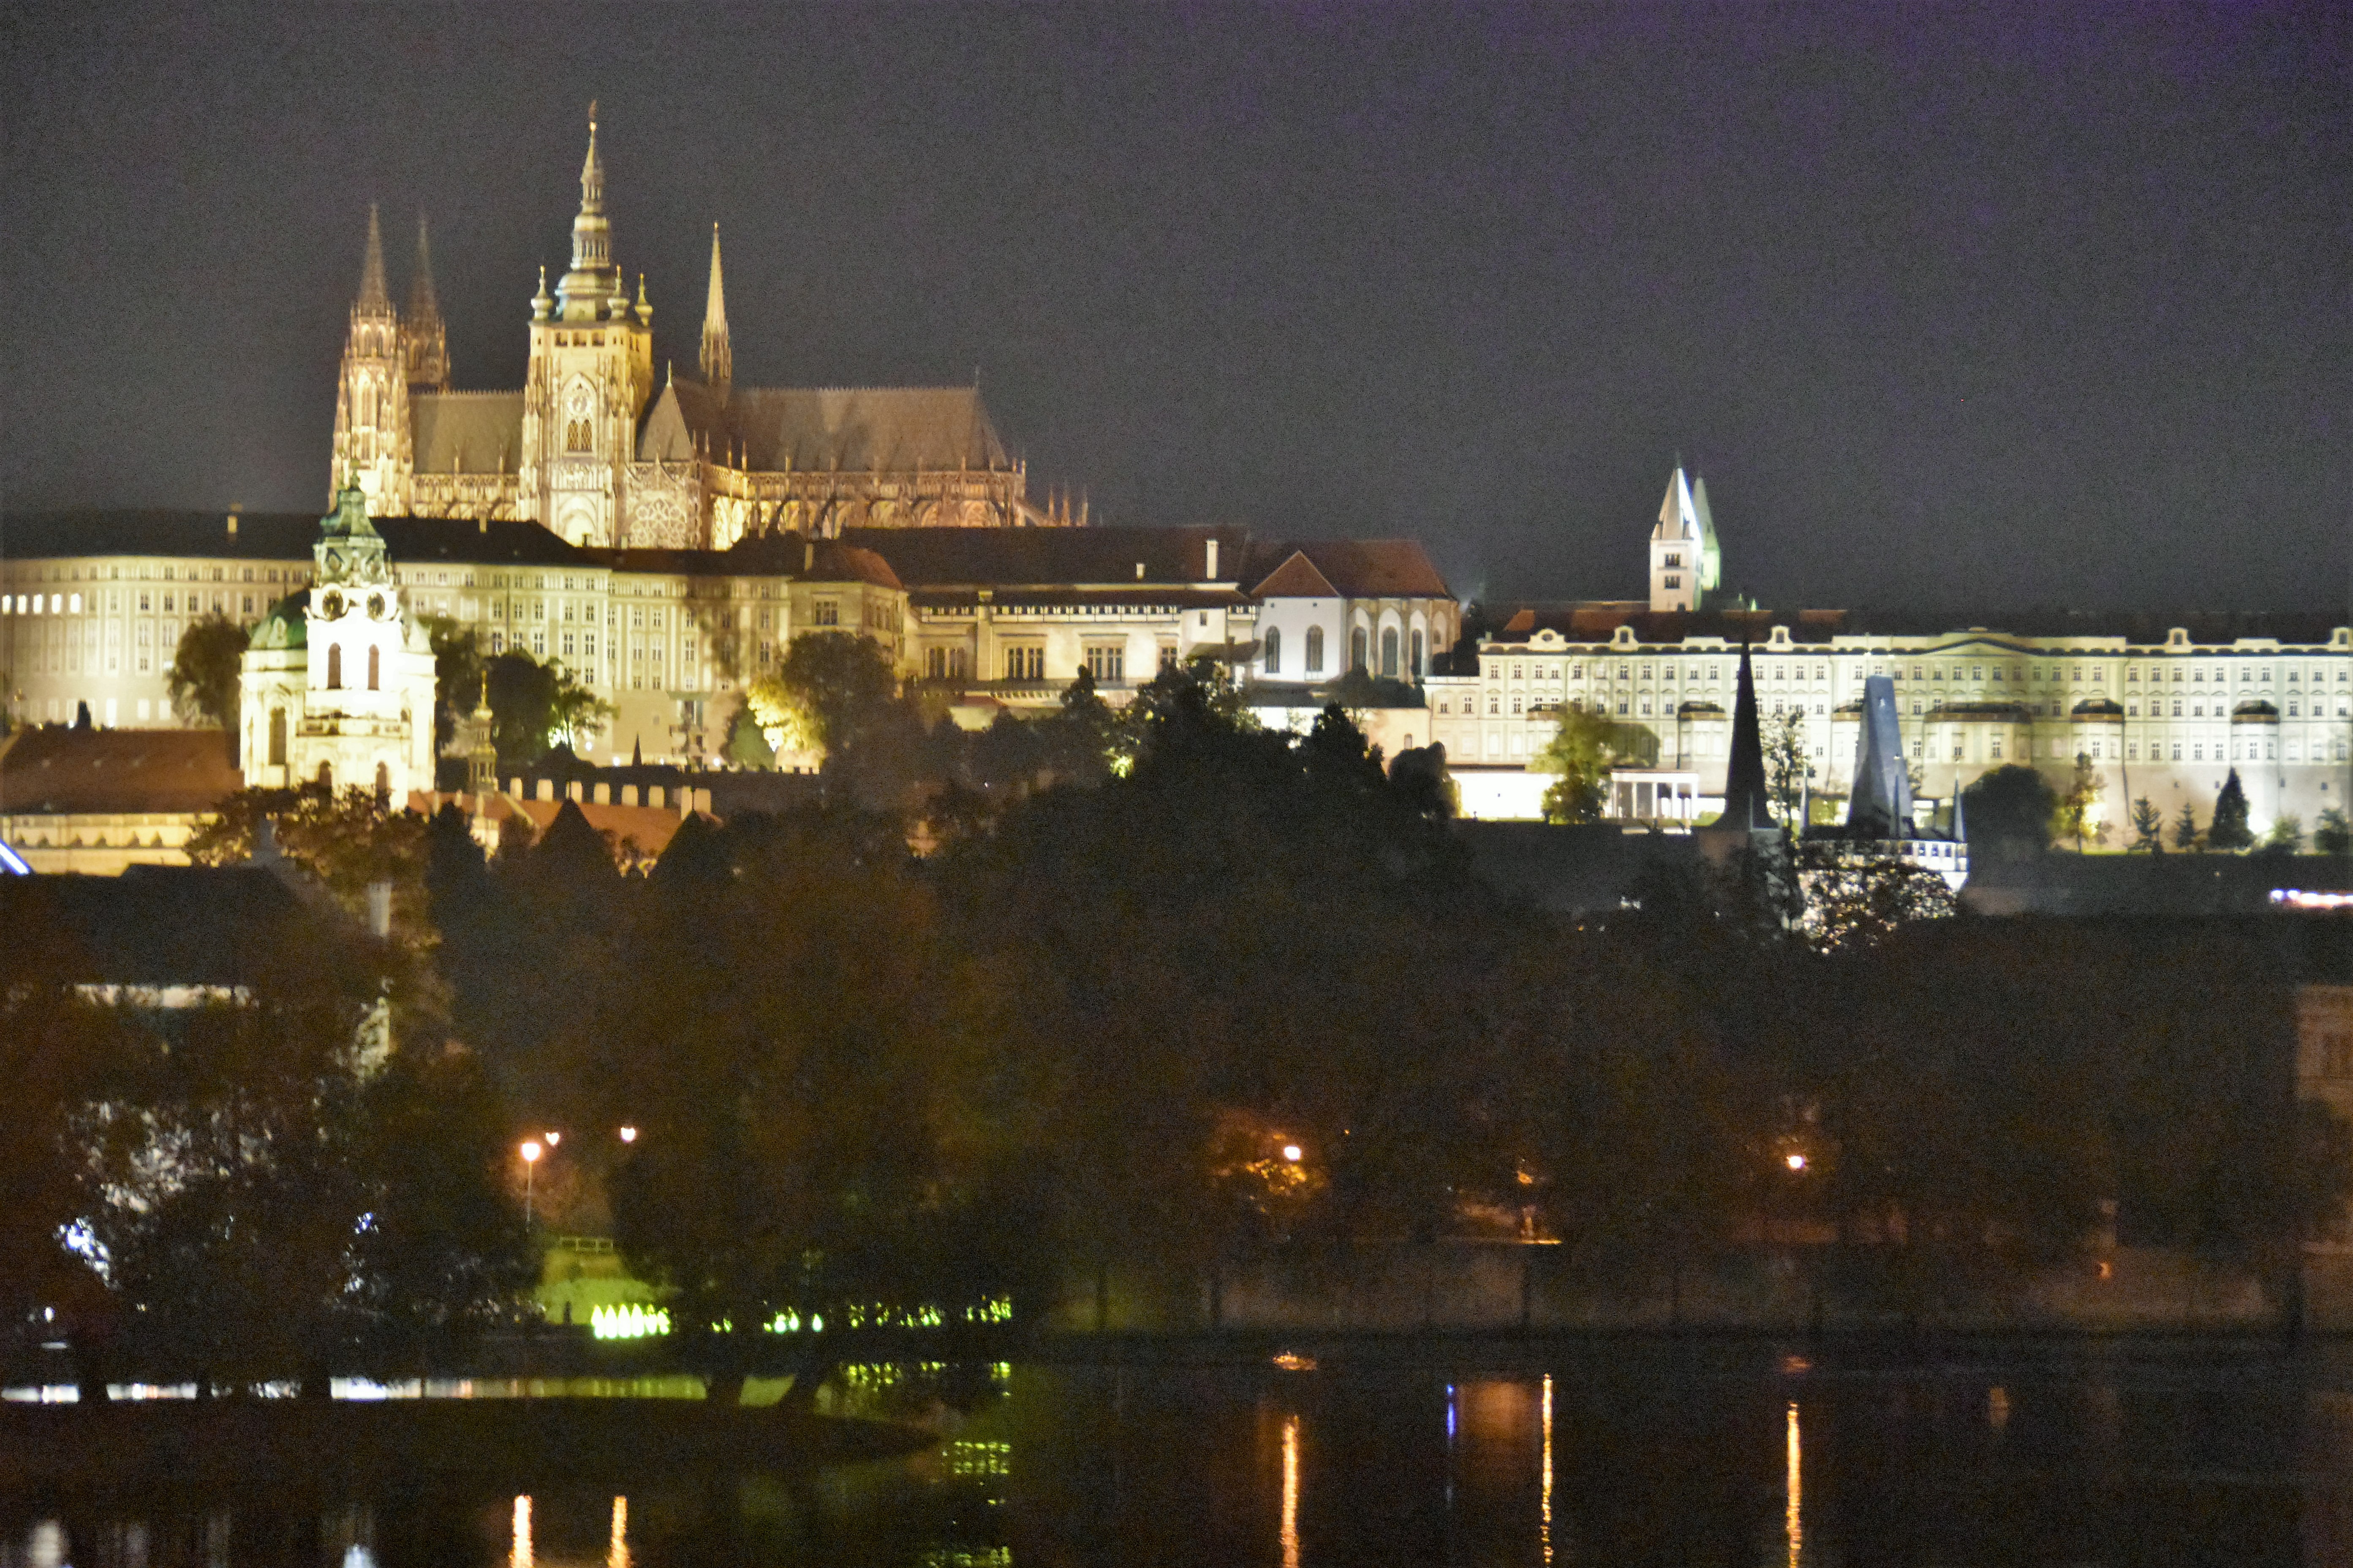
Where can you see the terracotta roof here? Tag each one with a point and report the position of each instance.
(63, 771)
(1358, 568)
(1589, 621)
(1296, 578)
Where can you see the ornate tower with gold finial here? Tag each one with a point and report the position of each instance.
(372, 425)
(591, 371)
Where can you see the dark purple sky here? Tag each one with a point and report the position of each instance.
(2030, 305)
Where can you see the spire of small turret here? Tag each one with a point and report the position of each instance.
(592, 170)
(1745, 792)
(718, 360)
(426, 340)
(373, 293)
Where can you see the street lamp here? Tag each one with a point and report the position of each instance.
(629, 1134)
(531, 1154)
(1292, 1152)
(1795, 1161)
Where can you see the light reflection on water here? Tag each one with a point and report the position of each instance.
(1657, 1458)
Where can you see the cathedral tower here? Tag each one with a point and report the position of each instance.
(718, 361)
(372, 428)
(591, 374)
(426, 341)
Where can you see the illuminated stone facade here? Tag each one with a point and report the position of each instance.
(604, 453)
(2163, 707)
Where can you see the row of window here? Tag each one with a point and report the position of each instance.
(2019, 674)
(1398, 658)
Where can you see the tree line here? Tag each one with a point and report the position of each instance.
(1162, 992)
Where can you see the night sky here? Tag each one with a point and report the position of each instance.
(2035, 306)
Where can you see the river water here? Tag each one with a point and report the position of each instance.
(1735, 1454)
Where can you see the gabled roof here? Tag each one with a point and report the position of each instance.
(854, 429)
(466, 432)
(60, 771)
(1594, 621)
(1051, 557)
(1356, 568)
(1296, 578)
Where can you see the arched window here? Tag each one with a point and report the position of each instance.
(1274, 650)
(1357, 648)
(1390, 652)
(326, 775)
(575, 435)
(335, 667)
(1419, 670)
(383, 783)
(375, 669)
(278, 737)
(1315, 651)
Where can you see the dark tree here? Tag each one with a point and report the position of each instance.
(2229, 830)
(2333, 834)
(203, 679)
(2147, 827)
(2186, 835)
(2010, 813)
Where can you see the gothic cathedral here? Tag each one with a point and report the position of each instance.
(593, 449)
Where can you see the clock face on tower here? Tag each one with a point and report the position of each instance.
(376, 607)
(581, 404)
(332, 606)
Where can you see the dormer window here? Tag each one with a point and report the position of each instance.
(1674, 558)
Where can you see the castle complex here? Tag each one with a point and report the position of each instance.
(664, 538)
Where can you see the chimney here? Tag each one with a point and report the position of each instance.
(1212, 576)
(232, 522)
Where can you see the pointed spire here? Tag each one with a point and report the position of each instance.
(594, 282)
(374, 296)
(1744, 775)
(718, 358)
(427, 341)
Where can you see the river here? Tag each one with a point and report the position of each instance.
(1735, 1453)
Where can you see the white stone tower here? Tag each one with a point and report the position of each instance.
(1685, 562)
(337, 683)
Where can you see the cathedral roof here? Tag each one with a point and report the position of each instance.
(466, 432)
(1051, 557)
(854, 429)
(766, 555)
(1356, 568)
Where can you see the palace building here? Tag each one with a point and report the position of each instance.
(2163, 706)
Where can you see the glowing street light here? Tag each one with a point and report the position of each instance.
(553, 1139)
(629, 1134)
(1292, 1152)
(531, 1152)
(1795, 1161)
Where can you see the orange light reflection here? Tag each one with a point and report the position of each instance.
(1291, 1491)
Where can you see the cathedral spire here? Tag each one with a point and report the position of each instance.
(594, 281)
(374, 296)
(422, 332)
(718, 360)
